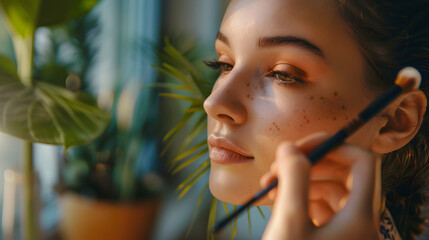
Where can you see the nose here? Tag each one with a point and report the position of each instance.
(226, 103)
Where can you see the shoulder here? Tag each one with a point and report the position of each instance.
(387, 230)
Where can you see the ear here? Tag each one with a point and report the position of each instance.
(403, 122)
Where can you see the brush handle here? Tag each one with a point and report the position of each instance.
(262, 193)
(319, 152)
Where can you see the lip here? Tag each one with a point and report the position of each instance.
(223, 151)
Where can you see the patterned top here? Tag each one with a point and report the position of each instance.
(388, 229)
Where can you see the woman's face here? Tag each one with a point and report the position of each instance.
(289, 68)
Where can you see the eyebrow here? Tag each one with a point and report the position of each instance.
(266, 42)
(278, 41)
(221, 37)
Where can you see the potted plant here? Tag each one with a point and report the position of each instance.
(102, 184)
(36, 111)
(103, 194)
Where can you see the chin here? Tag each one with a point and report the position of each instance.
(233, 190)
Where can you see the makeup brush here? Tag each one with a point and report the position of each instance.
(408, 79)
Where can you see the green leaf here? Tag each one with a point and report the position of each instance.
(170, 86)
(193, 174)
(21, 15)
(260, 211)
(190, 151)
(200, 199)
(53, 12)
(212, 217)
(186, 79)
(194, 109)
(48, 114)
(192, 182)
(198, 128)
(177, 128)
(248, 219)
(181, 97)
(8, 66)
(234, 230)
(225, 208)
(190, 161)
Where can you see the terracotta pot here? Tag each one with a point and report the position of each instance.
(89, 219)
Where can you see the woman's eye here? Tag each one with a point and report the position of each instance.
(285, 78)
(222, 67)
(225, 67)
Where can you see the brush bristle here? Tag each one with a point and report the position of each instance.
(408, 79)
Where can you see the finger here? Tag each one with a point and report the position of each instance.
(292, 171)
(330, 170)
(320, 212)
(267, 179)
(363, 179)
(272, 195)
(311, 141)
(331, 192)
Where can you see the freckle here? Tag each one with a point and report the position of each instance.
(251, 98)
(271, 129)
(335, 94)
(228, 91)
(303, 110)
(248, 95)
(248, 85)
(321, 98)
(308, 121)
(302, 125)
(335, 118)
(347, 118)
(311, 97)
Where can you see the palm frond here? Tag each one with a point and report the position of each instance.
(200, 199)
(178, 127)
(170, 86)
(193, 174)
(195, 109)
(190, 161)
(192, 182)
(234, 229)
(260, 212)
(248, 219)
(181, 97)
(212, 218)
(190, 151)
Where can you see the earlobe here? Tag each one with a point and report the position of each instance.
(403, 122)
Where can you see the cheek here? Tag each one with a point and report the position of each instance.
(292, 119)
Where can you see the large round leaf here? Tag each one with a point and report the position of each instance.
(24, 16)
(54, 12)
(21, 15)
(48, 114)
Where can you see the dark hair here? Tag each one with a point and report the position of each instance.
(394, 34)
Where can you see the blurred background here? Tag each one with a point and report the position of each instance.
(110, 54)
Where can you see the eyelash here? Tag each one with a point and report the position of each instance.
(218, 66)
(292, 80)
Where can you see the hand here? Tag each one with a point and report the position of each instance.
(306, 195)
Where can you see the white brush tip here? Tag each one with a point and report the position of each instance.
(408, 79)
